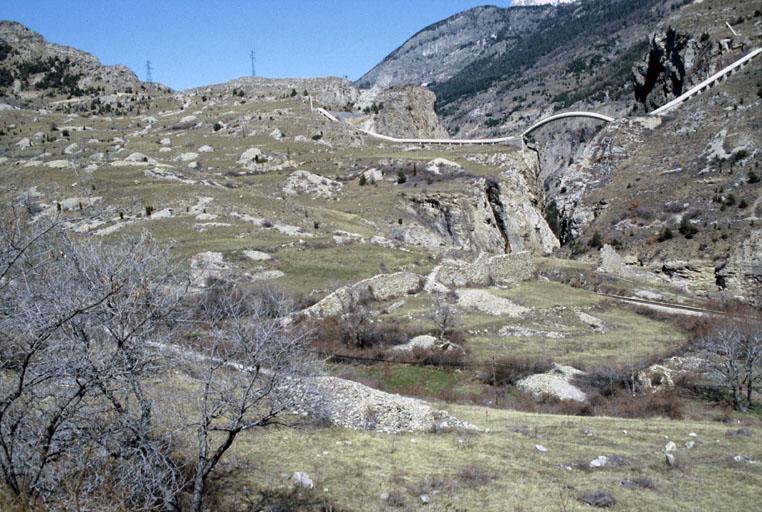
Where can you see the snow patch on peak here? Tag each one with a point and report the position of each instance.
(523, 3)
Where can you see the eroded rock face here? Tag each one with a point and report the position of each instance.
(381, 287)
(406, 112)
(486, 270)
(742, 273)
(490, 215)
(666, 71)
(660, 376)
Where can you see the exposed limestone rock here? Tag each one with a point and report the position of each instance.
(672, 59)
(352, 405)
(594, 323)
(485, 302)
(660, 376)
(497, 216)
(613, 263)
(205, 266)
(406, 111)
(742, 273)
(59, 164)
(486, 270)
(517, 331)
(557, 382)
(304, 182)
(424, 342)
(381, 287)
(249, 155)
(257, 255)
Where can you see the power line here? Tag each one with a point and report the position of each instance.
(149, 68)
(253, 57)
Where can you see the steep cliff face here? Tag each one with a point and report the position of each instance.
(403, 112)
(673, 63)
(500, 215)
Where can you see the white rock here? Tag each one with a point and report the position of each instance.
(556, 382)
(599, 462)
(249, 155)
(302, 480)
(205, 149)
(189, 119)
(690, 444)
(187, 157)
(437, 164)
(304, 182)
(71, 148)
(594, 323)
(58, 164)
(257, 255)
(485, 302)
(423, 341)
(136, 157)
(276, 134)
(540, 448)
(373, 175)
(166, 141)
(670, 447)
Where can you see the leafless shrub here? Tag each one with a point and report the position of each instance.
(445, 316)
(733, 353)
(254, 369)
(76, 324)
(508, 370)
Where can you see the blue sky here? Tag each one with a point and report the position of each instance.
(193, 42)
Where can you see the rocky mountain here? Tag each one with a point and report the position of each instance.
(679, 197)
(491, 67)
(35, 71)
(437, 53)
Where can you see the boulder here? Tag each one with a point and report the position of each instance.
(187, 157)
(304, 182)
(249, 155)
(557, 382)
(485, 302)
(424, 342)
(206, 149)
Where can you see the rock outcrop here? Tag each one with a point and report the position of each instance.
(673, 58)
(557, 382)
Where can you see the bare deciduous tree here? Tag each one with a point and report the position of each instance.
(734, 359)
(254, 369)
(445, 317)
(75, 322)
